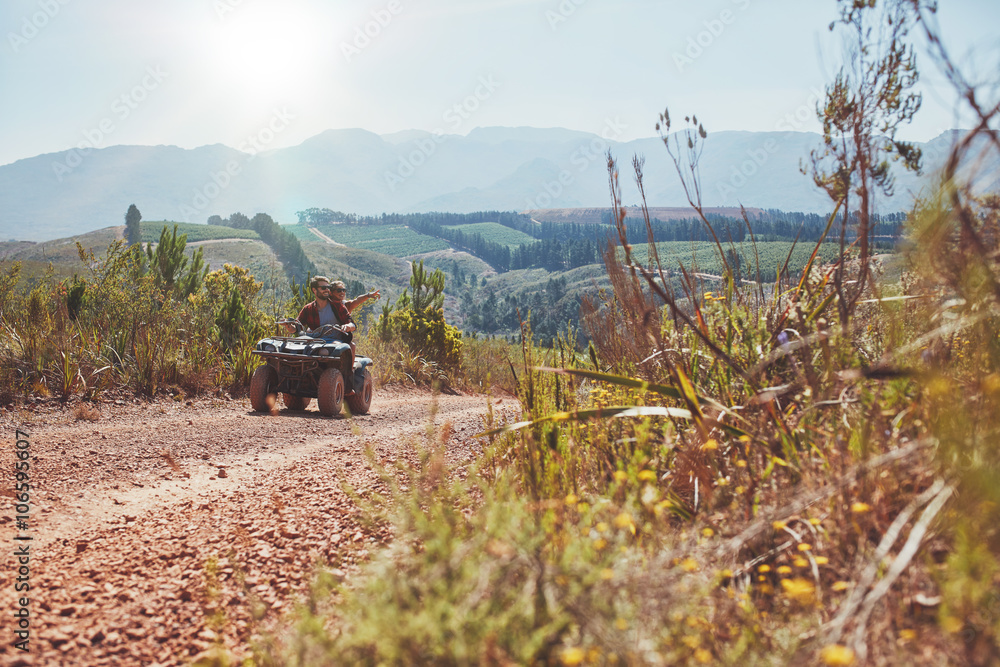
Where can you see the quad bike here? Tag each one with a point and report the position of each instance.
(304, 367)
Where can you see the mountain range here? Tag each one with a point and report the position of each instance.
(492, 168)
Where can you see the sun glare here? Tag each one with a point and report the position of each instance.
(266, 55)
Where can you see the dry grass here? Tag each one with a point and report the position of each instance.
(86, 412)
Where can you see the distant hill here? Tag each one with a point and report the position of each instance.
(596, 216)
(495, 168)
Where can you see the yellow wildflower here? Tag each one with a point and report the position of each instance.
(836, 655)
(571, 499)
(624, 520)
(951, 625)
(822, 560)
(861, 508)
(621, 476)
(800, 562)
(572, 656)
(601, 527)
(764, 568)
(647, 476)
(784, 569)
(804, 547)
(707, 532)
(711, 445)
(621, 624)
(800, 590)
(689, 565)
(741, 464)
(779, 525)
(814, 521)
(840, 586)
(703, 656)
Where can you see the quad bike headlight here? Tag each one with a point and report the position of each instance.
(324, 352)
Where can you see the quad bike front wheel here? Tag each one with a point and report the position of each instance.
(330, 392)
(293, 402)
(362, 399)
(262, 385)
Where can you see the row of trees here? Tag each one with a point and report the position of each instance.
(324, 216)
(284, 243)
(565, 246)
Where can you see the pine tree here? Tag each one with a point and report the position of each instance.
(133, 226)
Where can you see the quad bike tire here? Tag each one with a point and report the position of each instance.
(262, 384)
(362, 399)
(330, 391)
(293, 402)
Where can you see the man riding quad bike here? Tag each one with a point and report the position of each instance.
(319, 364)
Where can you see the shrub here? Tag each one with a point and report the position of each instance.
(419, 322)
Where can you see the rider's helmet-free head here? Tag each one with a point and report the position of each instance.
(314, 283)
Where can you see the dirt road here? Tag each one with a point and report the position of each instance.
(157, 521)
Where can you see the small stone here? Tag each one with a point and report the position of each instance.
(222, 473)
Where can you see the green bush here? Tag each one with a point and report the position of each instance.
(418, 321)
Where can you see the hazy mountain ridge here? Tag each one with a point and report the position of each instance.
(61, 194)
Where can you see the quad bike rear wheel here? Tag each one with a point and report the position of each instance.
(330, 392)
(362, 399)
(293, 402)
(262, 385)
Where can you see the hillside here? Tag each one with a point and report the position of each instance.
(597, 216)
(499, 267)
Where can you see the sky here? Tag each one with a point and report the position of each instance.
(196, 72)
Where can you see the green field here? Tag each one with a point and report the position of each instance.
(394, 240)
(450, 260)
(301, 232)
(494, 231)
(195, 232)
(703, 256)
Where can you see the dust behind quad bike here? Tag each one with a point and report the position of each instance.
(158, 519)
